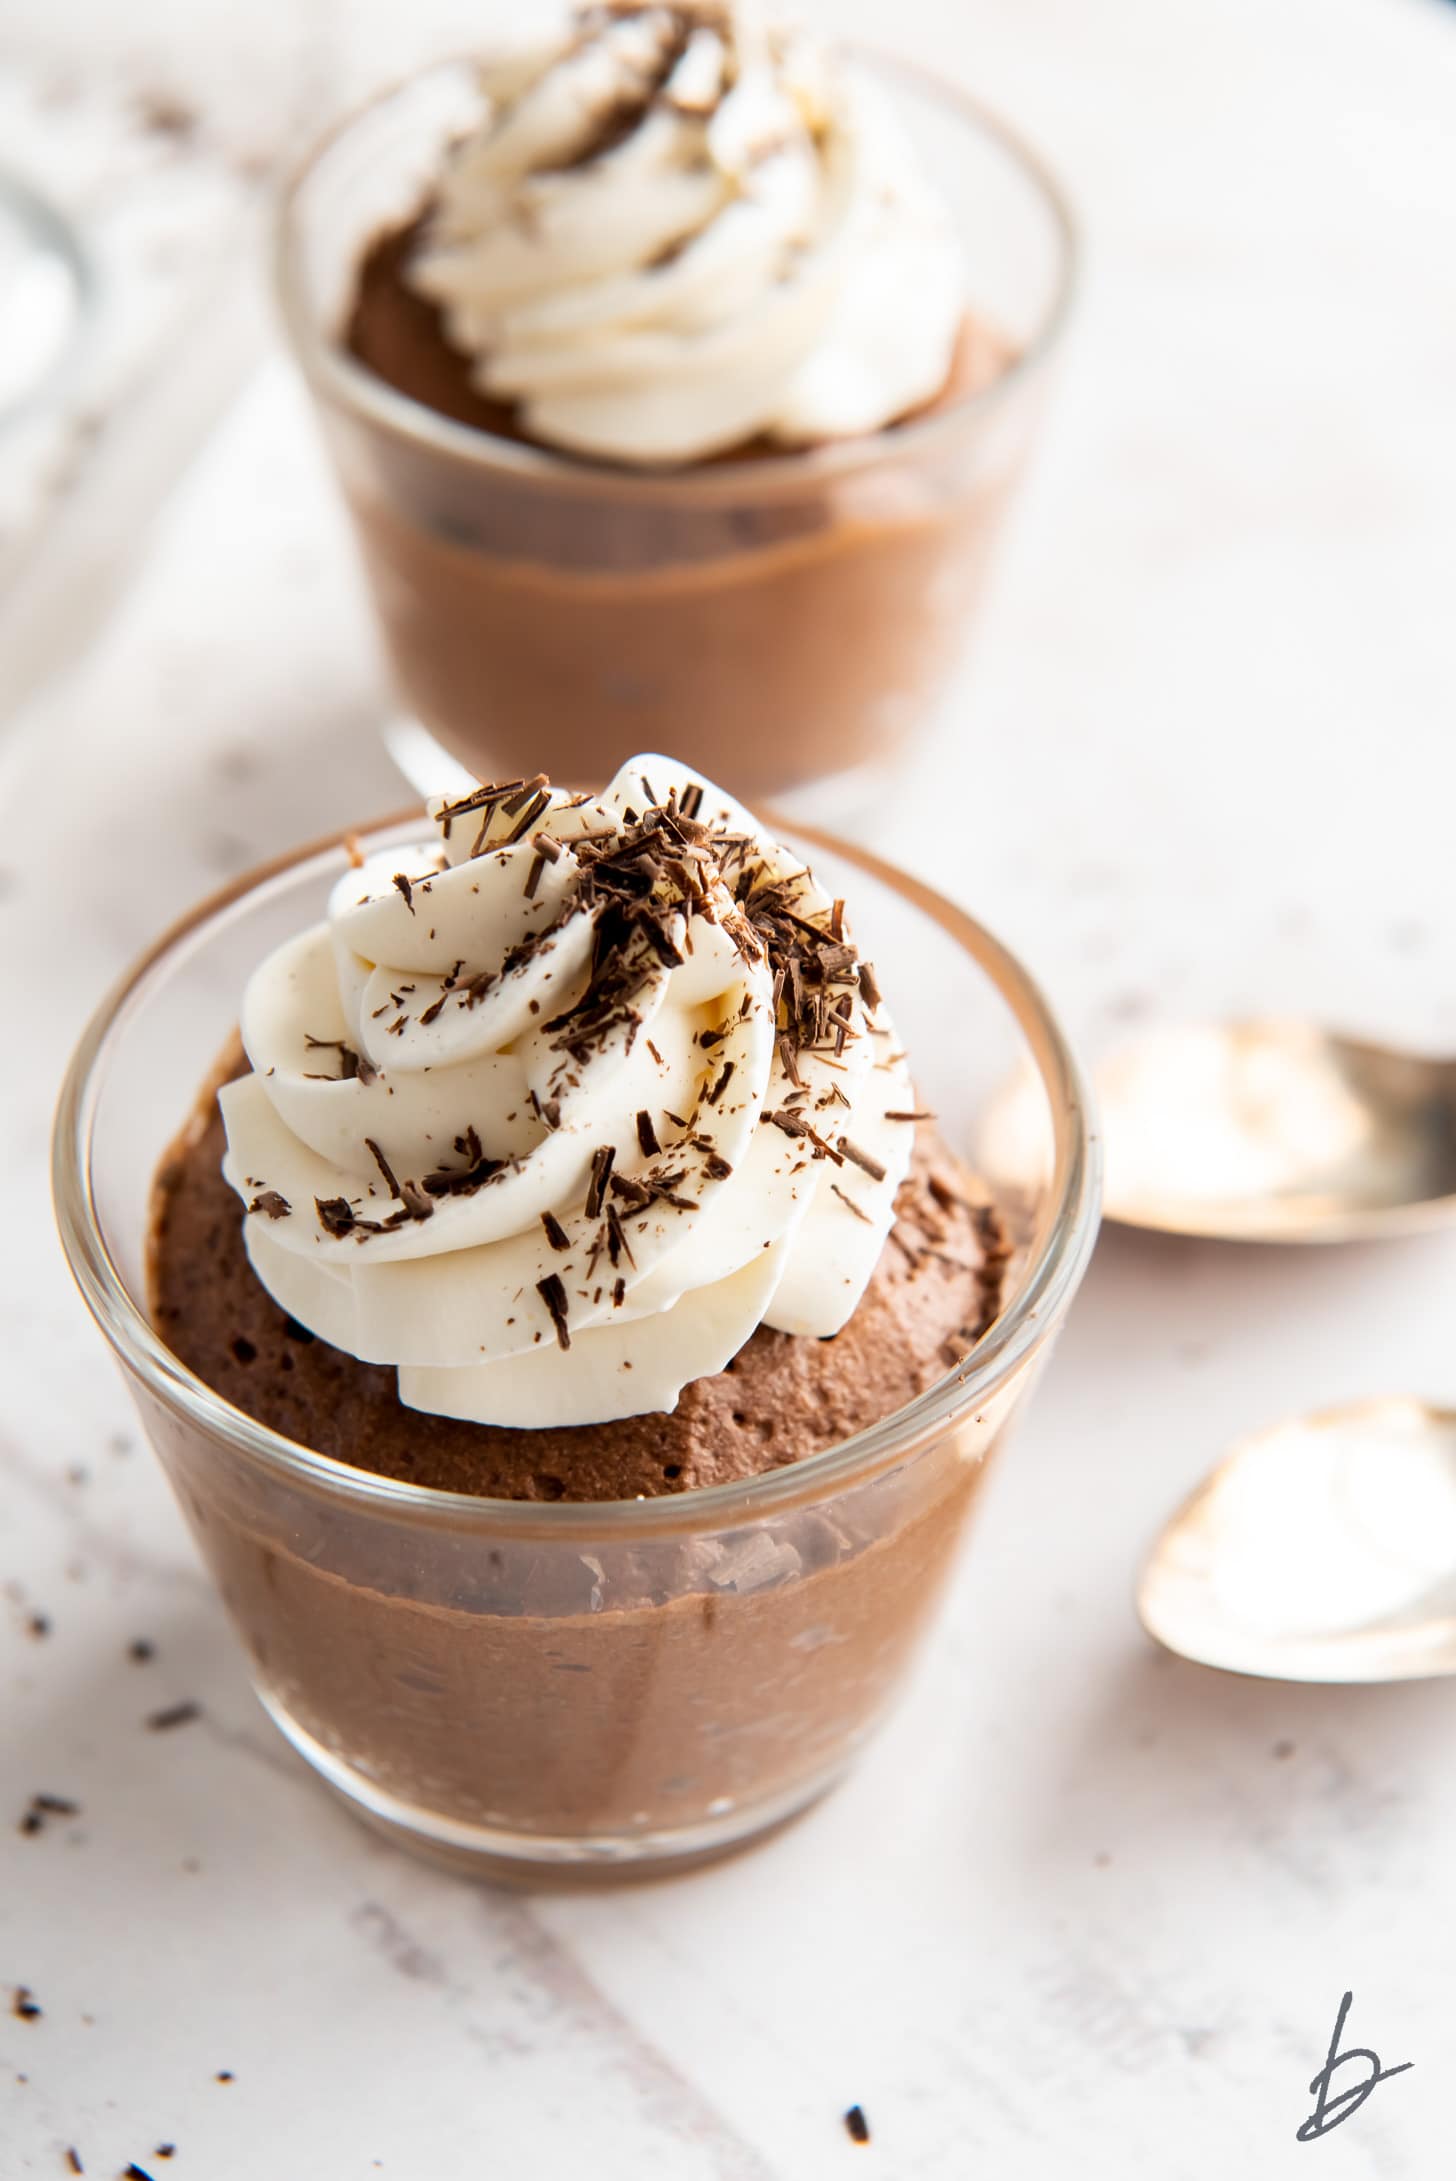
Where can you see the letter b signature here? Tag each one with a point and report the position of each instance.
(1330, 2110)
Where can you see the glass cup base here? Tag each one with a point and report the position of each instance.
(501, 1857)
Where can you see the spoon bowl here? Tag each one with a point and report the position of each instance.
(1277, 1131)
(1322, 1550)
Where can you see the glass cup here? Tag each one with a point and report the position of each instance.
(774, 621)
(594, 1688)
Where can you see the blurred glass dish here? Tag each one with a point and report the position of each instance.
(785, 619)
(46, 290)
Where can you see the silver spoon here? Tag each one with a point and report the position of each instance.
(1322, 1550)
(1277, 1131)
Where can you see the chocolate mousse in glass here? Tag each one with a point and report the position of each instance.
(574, 1335)
(677, 374)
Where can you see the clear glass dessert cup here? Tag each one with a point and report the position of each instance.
(775, 621)
(593, 1689)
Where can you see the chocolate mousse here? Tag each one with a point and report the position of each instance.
(933, 1292)
(693, 516)
(574, 1159)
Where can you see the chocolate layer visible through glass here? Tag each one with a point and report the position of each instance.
(935, 1290)
(768, 624)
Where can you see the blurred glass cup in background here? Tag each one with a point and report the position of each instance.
(775, 621)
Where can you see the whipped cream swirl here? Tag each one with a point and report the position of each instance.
(682, 226)
(553, 1112)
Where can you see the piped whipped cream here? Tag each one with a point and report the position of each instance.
(555, 1109)
(682, 226)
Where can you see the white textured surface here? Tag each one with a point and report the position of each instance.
(1084, 1909)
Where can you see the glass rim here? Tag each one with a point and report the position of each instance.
(335, 374)
(1065, 1236)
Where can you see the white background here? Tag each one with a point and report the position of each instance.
(1084, 1909)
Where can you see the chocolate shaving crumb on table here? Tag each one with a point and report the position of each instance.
(174, 1715)
(858, 2126)
(45, 1806)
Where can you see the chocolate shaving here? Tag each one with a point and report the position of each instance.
(335, 1215)
(556, 1234)
(350, 1064)
(601, 1168)
(173, 1715)
(536, 808)
(618, 1246)
(402, 885)
(545, 844)
(553, 1294)
(486, 800)
(524, 792)
(692, 801)
(850, 1205)
(463, 1181)
(647, 1134)
(384, 1166)
(794, 1124)
(862, 1159)
(868, 987)
(271, 1204)
(533, 876)
(858, 2126)
(722, 1083)
(894, 1116)
(949, 1199)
